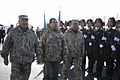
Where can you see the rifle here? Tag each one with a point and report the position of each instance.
(39, 74)
(101, 49)
(114, 43)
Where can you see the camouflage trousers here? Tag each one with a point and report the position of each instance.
(77, 62)
(20, 71)
(51, 70)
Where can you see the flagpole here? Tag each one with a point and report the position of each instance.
(104, 19)
(117, 16)
(45, 26)
(59, 16)
(93, 18)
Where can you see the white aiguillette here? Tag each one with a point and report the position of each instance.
(113, 48)
(116, 39)
(104, 38)
(85, 36)
(92, 37)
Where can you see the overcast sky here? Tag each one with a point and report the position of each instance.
(70, 9)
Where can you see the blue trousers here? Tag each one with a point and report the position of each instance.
(51, 70)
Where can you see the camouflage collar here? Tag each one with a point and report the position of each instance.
(20, 30)
(54, 30)
(70, 30)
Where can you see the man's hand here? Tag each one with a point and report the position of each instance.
(39, 59)
(6, 61)
(66, 59)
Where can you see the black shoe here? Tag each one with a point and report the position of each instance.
(116, 68)
(99, 78)
(107, 78)
(86, 69)
(94, 73)
(90, 72)
(97, 75)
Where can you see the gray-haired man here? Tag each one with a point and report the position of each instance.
(22, 45)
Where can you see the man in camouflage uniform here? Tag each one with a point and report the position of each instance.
(53, 48)
(75, 44)
(22, 45)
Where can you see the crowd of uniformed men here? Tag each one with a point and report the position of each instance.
(69, 42)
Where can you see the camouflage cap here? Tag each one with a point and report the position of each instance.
(23, 17)
(74, 20)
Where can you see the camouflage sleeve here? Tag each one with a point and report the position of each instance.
(43, 41)
(42, 44)
(65, 48)
(83, 46)
(38, 50)
(7, 45)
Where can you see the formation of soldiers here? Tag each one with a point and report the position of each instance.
(101, 45)
(70, 42)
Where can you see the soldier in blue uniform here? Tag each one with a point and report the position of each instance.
(98, 33)
(109, 47)
(117, 43)
(89, 44)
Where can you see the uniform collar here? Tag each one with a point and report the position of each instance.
(73, 31)
(54, 30)
(20, 30)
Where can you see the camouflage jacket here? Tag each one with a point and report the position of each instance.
(75, 43)
(53, 46)
(22, 46)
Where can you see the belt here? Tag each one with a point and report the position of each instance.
(107, 42)
(118, 43)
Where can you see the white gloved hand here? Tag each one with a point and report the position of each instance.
(101, 46)
(85, 36)
(104, 38)
(90, 44)
(113, 48)
(116, 39)
(92, 37)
